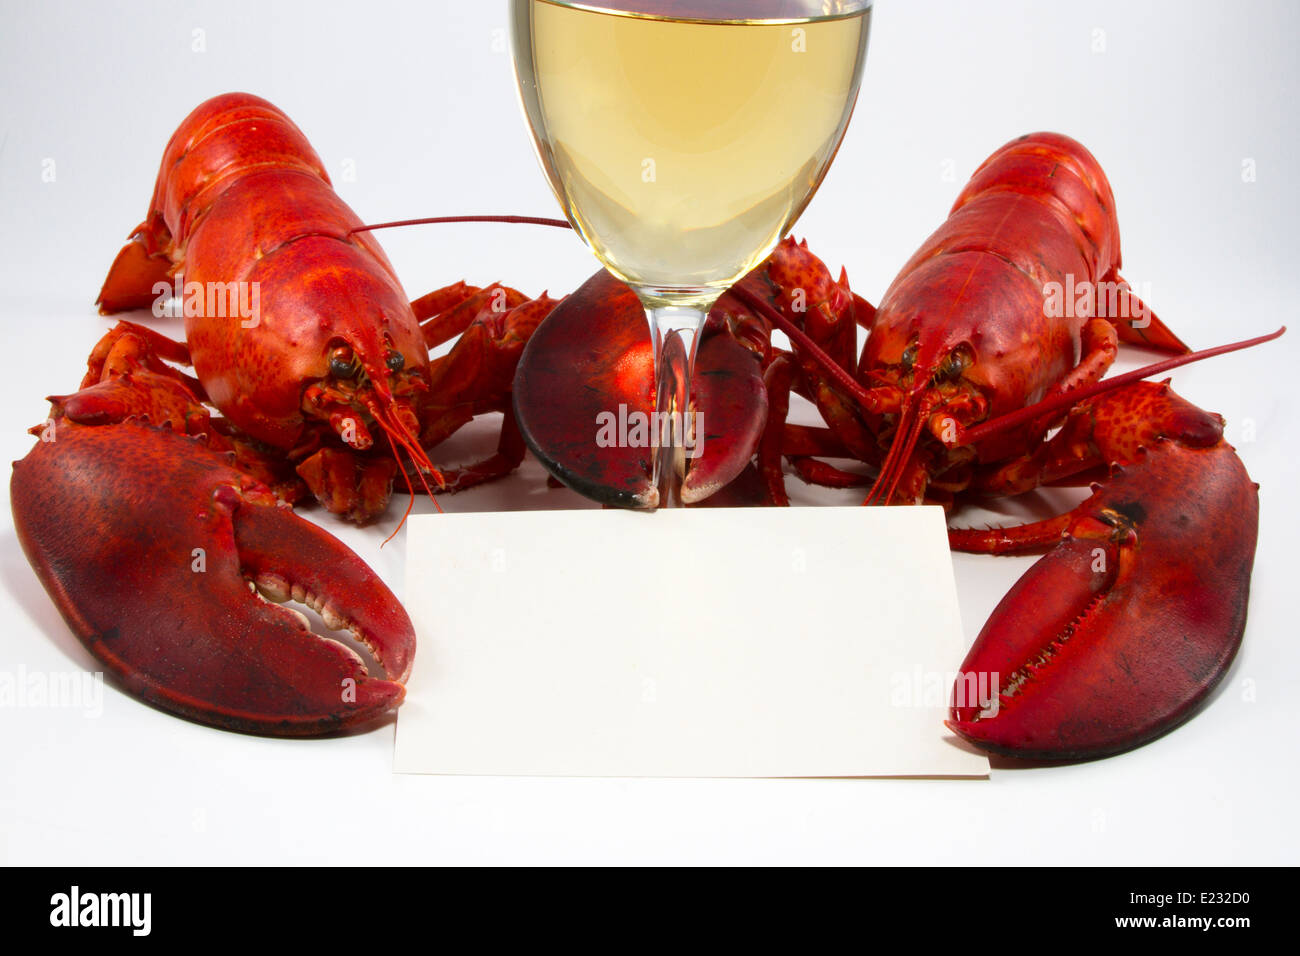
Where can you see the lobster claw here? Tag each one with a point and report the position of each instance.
(1120, 633)
(591, 357)
(598, 337)
(154, 576)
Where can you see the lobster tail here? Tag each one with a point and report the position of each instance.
(1058, 172)
(294, 317)
(140, 265)
(196, 167)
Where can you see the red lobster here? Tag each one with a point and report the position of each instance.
(962, 378)
(323, 385)
(1135, 613)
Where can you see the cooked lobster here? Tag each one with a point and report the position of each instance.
(968, 386)
(1119, 632)
(324, 385)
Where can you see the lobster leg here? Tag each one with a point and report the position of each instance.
(1109, 429)
(348, 485)
(1069, 452)
(1029, 538)
(126, 378)
(829, 315)
(507, 457)
(797, 443)
(1100, 346)
(817, 472)
(136, 344)
(443, 315)
(777, 380)
(805, 440)
(477, 375)
(438, 301)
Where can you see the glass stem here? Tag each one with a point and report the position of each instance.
(674, 331)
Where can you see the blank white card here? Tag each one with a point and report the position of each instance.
(764, 642)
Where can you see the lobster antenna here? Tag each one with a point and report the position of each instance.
(398, 435)
(905, 438)
(902, 427)
(828, 364)
(1011, 420)
(796, 334)
(410, 490)
(801, 338)
(896, 464)
(393, 428)
(845, 380)
(433, 220)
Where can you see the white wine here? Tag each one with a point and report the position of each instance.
(682, 150)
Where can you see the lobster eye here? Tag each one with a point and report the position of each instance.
(957, 361)
(395, 361)
(342, 363)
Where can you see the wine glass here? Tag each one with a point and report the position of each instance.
(683, 138)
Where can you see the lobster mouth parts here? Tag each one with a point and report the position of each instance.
(354, 407)
(921, 446)
(353, 404)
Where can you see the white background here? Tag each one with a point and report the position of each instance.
(1172, 97)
